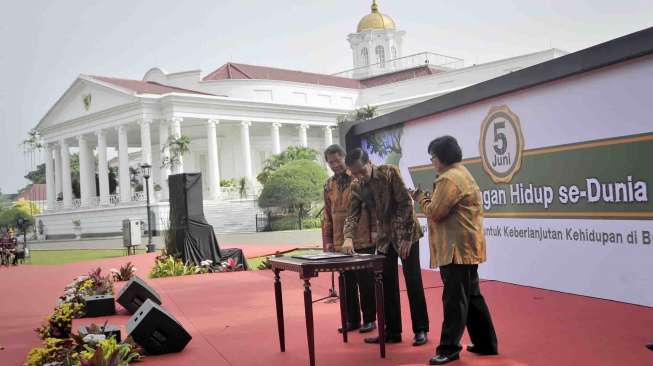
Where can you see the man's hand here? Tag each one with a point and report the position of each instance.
(404, 249)
(329, 247)
(348, 246)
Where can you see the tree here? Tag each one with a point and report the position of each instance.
(20, 208)
(386, 144)
(360, 114)
(292, 153)
(295, 185)
(37, 176)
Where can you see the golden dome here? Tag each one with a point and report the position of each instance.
(375, 20)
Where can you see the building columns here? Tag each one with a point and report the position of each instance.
(123, 168)
(84, 168)
(49, 177)
(103, 168)
(176, 133)
(164, 134)
(146, 154)
(214, 164)
(57, 171)
(247, 153)
(328, 137)
(276, 140)
(66, 183)
(303, 137)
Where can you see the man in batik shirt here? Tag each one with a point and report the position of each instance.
(337, 193)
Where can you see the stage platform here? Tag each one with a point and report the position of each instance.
(231, 317)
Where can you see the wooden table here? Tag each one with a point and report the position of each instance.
(308, 269)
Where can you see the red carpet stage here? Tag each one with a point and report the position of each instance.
(231, 317)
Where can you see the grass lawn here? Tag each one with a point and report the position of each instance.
(256, 261)
(72, 256)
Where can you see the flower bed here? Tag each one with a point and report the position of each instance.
(170, 266)
(62, 347)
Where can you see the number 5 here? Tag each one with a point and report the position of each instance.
(500, 136)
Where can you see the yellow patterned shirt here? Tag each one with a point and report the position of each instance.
(455, 218)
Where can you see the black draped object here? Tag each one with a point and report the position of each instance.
(192, 235)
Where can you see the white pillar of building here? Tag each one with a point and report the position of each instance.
(176, 133)
(84, 167)
(303, 137)
(57, 171)
(49, 177)
(123, 167)
(328, 137)
(146, 153)
(214, 165)
(66, 181)
(164, 134)
(90, 178)
(276, 140)
(103, 168)
(247, 153)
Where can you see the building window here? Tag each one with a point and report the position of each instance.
(394, 52)
(365, 56)
(380, 56)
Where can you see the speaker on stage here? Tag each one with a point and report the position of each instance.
(156, 330)
(134, 294)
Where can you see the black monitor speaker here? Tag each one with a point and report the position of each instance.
(134, 294)
(156, 330)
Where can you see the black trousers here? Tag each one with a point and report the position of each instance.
(464, 306)
(413, 277)
(363, 282)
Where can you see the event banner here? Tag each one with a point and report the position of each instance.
(574, 216)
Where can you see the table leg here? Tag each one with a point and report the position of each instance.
(342, 285)
(308, 310)
(279, 302)
(380, 312)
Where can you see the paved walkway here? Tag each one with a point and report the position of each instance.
(273, 239)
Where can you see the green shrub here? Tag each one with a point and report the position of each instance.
(290, 223)
(168, 266)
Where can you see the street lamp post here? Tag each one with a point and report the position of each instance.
(146, 170)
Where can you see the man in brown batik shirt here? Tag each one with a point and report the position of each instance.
(337, 194)
(382, 190)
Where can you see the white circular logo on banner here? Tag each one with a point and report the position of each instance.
(501, 145)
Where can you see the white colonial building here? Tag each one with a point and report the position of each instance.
(235, 116)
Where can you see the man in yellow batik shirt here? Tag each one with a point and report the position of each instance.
(337, 194)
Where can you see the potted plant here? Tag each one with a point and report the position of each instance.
(157, 192)
(77, 228)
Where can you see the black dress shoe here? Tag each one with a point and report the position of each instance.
(480, 351)
(350, 327)
(367, 327)
(420, 339)
(442, 359)
(650, 346)
(389, 338)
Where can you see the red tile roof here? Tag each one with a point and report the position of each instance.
(401, 75)
(36, 192)
(140, 86)
(241, 71)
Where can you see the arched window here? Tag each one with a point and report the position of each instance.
(394, 52)
(365, 56)
(380, 55)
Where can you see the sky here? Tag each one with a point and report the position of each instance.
(45, 44)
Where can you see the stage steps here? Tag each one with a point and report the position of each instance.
(237, 216)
